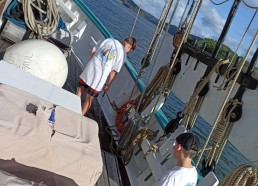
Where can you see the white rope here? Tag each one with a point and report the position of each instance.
(175, 58)
(243, 175)
(41, 27)
(190, 105)
(220, 133)
(226, 99)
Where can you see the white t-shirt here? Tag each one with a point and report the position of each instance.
(179, 176)
(109, 55)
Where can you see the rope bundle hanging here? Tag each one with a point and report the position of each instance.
(243, 175)
(47, 14)
(174, 61)
(154, 42)
(228, 115)
(153, 88)
(231, 113)
(193, 106)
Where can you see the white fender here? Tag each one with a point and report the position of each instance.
(40, 58)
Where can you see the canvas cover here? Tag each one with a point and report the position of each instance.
(71, 157)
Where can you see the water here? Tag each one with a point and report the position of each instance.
(119, 20)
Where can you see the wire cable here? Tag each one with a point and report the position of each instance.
(218, 3)
(253, 7)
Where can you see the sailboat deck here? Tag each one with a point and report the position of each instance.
(96, 114)
(114, 169)
(114, 163)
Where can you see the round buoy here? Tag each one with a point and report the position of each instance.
(40, 58)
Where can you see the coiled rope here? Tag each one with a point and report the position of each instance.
(226, 99)
(175, 57)
(153, 88)
(243, 175)
(190, 107)
(172, 63)
(222, 132)
(49, 17)
(137, 139)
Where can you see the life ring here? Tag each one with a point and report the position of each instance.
(121, 113)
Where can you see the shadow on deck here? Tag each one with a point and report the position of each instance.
(96, 114)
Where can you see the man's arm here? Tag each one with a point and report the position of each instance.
(92, 52)
(111, 77)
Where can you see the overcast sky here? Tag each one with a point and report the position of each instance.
(211, 19)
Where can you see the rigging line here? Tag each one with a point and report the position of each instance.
(226, 98)
(174, 60)
(244, 34)
(218, 3)
(231, 64)
(188, 14)
(139, 9)
(164, 20)
(149, 49)
(183, 15)
(253, 7)
(167, 29)
(199, 6)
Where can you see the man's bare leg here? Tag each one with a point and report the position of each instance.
(80, 91)
(87, 104)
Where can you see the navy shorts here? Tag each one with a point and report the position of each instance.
(92, 92)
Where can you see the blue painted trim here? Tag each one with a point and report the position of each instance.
(160, 116)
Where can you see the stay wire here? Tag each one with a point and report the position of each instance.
(253, 7)
(183, 15)
(167, 29)
(139, 9)
(244, 33)
(218, 3)
(235, 52)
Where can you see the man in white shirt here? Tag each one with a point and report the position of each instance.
(107, 59)
(184, 174)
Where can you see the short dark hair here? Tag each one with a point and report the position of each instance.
(132, 41)
(189, 141)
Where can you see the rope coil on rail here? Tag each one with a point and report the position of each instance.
(49, 16)
(243, 175)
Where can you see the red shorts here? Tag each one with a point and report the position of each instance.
(92, 92)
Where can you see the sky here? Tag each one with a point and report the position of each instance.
(211, 19)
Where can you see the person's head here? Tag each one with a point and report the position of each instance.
(186, 146)
(129, 44)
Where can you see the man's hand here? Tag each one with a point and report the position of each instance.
(106, 87)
